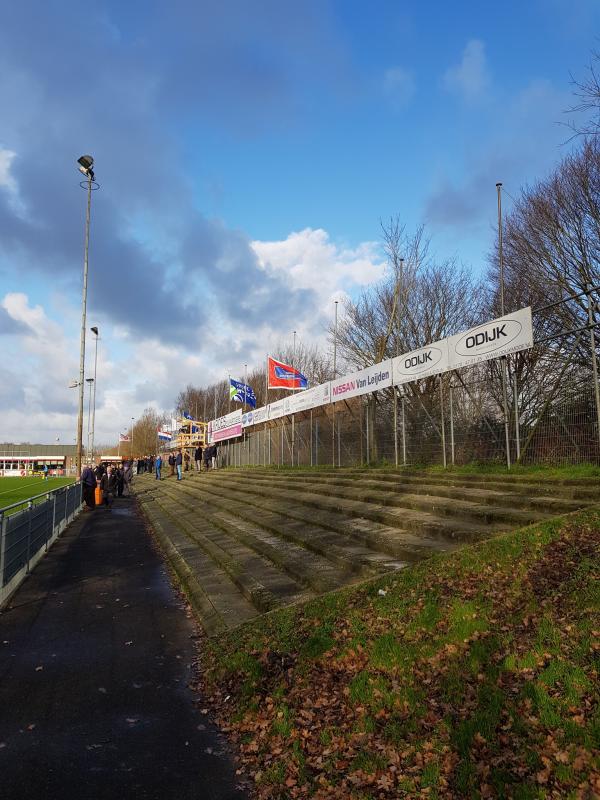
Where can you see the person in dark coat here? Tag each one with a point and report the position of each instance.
(207, 457)
(198, 458)
(178, 463)
(108, 484)
(120, 481)
(88, 487)
(171, 464)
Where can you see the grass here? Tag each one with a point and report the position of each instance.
(15, 490)
(475, 675)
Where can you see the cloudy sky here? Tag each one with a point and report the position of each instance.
(246, 153)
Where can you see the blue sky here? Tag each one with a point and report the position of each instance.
(246, 153)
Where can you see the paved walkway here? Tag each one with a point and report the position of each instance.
(95, 654)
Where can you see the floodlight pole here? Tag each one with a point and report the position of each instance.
(89, 381)
(95, 332)
(335, 336)
(504, 364)
(83, 316)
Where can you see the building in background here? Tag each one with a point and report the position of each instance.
(20, 460)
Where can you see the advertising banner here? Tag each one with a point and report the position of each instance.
(280, 408)
(379, 376)
(255, 417)
(500, 337)
(225, 427)
(310, 398)
(421, 363)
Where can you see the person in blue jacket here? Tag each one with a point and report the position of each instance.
(178, 463)
(158, 466)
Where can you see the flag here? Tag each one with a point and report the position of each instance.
(241, 392)
(124, 437)
(166, 436)
(282, 376)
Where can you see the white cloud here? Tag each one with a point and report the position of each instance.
(398, 86)
(470, 78)
(6, 179)
(135, 372)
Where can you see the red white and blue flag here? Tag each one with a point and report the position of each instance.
(165, 436)
(282, 376)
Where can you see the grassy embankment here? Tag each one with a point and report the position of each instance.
(473, 674)
(14, 490)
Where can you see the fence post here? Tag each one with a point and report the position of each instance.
(3, 527)
(395, 425)
(594, 360)
(443, 422)
(452, 422)
(293, 445)
(53, 517)
(505, 404)
(403, 433)
(367, 432)
(29, 507)
(339, 433)
(333, 433)
(517, 423)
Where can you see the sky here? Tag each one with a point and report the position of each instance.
(246, 153)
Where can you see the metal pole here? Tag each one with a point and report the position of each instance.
(403, 433)
(594, 359)
(517, 421)
(367, 432)
(83, 316)
(443, 422)
(339, 431)
(504, 365)
(95, 330)
(317, 442)
(452, 422)
(311, 437)
(334, 377)
(396, 426)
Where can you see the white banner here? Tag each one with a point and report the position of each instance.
(310, 398)
(255, 416)
(379, 376)
(280, 408)
(500, 337)
(422, 363)
(226, 421)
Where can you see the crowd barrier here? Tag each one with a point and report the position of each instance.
(27, 534)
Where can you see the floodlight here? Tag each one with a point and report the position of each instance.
(94, 330)
(89, 380)
(73, 384)
(87, 162)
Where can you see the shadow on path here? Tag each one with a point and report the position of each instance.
(95, 655)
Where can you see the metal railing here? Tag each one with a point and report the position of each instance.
(26, 535)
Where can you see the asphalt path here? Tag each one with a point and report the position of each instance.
(96, 653)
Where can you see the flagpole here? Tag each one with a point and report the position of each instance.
(267, 403)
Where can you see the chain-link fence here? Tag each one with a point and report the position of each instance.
(455, 421)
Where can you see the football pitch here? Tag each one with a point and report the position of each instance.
(13, 490)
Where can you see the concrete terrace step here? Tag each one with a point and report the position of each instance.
(262, 584)
(349, 555)
(360, 485)
(431, 504)
(401, 544)
(403, 518)
(216, 599)
(573, 488)
(302, 564)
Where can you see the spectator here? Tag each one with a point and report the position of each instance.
(108, 484)
(120, 480)
(158, 466)
(45, 470)
(198, 458)
(178, 463)
(187, 460)
(207, 457)
(127, 478)
(214, 455)
(171, 464)
(88, 487)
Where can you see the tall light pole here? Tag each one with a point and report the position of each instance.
(132, 420)
(89, 382)
(503, 360)
(335, 336)
(85, 167)
(94, 330)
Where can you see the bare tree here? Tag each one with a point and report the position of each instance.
(587, 92)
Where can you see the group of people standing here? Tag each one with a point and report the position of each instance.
(113, 479)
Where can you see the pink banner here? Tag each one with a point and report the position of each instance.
(227, 433)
